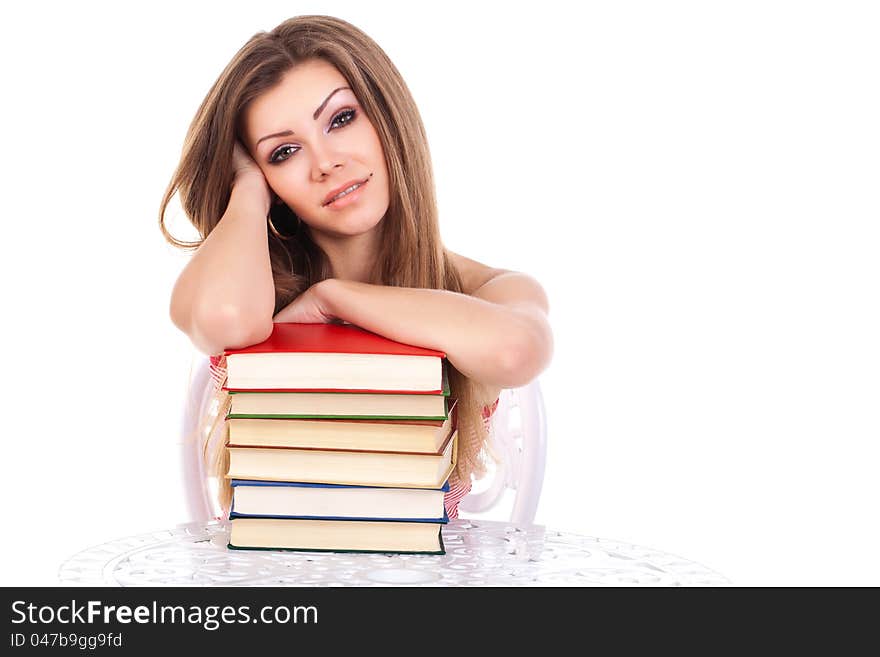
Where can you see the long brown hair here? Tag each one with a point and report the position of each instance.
(411, 250)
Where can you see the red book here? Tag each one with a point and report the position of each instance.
(333, 358)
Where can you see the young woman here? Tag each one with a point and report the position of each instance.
(307, 173)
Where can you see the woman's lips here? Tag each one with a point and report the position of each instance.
(349, 198)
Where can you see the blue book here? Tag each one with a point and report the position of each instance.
(312, 501)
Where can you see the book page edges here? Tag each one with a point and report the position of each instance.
(453, 460)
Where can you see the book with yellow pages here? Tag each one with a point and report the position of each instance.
(294, 499)
(336, 535)
(348, 467)
(389, 436)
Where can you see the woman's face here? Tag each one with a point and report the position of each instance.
(328, 144)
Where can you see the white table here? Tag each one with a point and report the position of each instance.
(478, 553)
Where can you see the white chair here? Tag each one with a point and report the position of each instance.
(518, 436)
(199, 503)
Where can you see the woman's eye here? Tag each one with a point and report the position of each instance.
(349, 113)
(275, 160)
(337, 121)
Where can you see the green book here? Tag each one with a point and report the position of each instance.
(398, 537)
(394, 435)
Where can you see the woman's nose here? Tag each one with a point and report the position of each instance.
(325, 161)
(324, 169)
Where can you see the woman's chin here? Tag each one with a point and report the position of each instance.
(346, 226)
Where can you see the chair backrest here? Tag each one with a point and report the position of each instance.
(199, 503)
(518, 435)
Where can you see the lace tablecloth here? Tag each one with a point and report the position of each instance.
(478, 553)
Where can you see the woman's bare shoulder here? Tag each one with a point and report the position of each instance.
(473, 274)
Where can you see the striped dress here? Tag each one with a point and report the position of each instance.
(457, 490)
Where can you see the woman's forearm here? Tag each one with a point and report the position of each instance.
(226, 292)
(483, 340)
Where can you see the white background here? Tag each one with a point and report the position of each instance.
(694, 184)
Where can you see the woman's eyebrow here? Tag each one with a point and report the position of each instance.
(315, 116)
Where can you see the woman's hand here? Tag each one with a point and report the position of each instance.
(246, 170)
(310, 307)
(243, 164)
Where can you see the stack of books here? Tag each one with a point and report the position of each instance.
(339, 440)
